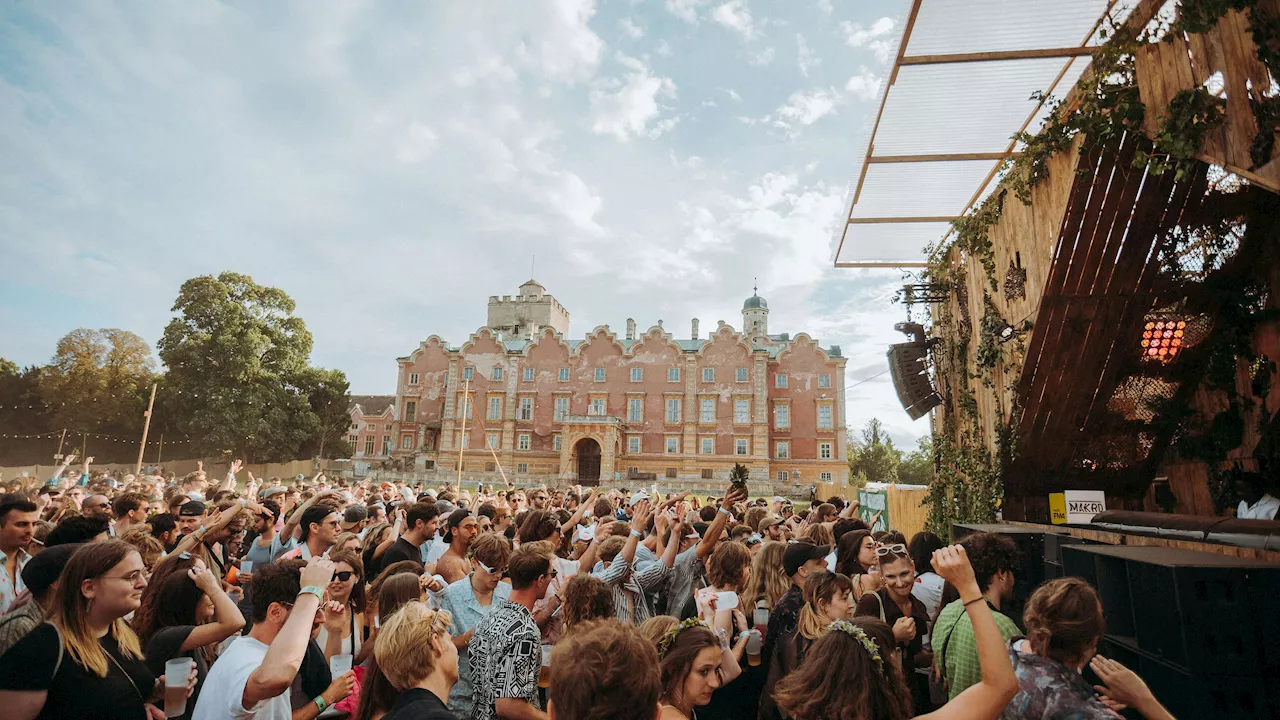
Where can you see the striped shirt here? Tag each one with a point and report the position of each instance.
(630, 589)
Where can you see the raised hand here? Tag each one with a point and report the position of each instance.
(317, 573)
(203, 578)
(1123, 686)
(235, 466)
(335, 617)
(952, 564)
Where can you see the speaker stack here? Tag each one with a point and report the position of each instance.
(1199, 628)
(909, 368)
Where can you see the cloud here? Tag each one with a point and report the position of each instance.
(805, 58)
(625, 108)
(663, 49)
(630, 29)
(686, 10)
(736, 16)
(864, 86)
(807, 107)
(825, 7)
(761, 57)
(875, 38)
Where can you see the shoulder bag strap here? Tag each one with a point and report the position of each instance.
(61, 649)
(880, 602)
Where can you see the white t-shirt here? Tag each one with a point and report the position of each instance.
(223, 688)
(1264, 509)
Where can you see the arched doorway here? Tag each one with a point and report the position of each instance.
(588, 452)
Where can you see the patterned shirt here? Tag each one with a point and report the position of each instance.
(11, 587)
(685, 578)
(460, 600)
(783, 620)
(631, 589)
(505, 659)
(1049, 690)
(955, 650)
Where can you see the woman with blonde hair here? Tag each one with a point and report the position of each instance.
(827, 597)
(655, 627)
(769, 581)
(419, 659)
(85, 662)
(818, 534)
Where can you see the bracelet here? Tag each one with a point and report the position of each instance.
(722, 510)
(320, 703)
(977, 599)
(637, 534)
(743, 634)
(313, 590)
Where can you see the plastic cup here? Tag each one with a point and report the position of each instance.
(246, 566)
(340, 665)
(761, 620)
(726, 601)
(176, 672)
(753, 648)
(544, 675)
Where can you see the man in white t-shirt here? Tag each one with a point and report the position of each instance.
(1256, 503)
(252, 678)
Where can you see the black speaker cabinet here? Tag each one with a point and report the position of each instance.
(1032, 568)
(1199, 612)
(908, 366)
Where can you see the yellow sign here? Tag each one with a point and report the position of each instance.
(1058, 508)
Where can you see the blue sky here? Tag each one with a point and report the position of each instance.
(390, 165)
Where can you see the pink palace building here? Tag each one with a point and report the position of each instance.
(522, 397)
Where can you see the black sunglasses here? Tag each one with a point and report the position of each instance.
(343, 575)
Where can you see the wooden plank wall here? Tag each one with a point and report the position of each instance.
(1166, 68)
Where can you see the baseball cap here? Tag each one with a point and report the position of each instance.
(769, 521)
(353, 516)
(268, 493)
(637, 497)
(43, 570)
(455, 519)
(194, 508)
(799, 553)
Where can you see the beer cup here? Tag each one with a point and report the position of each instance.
(176, 672)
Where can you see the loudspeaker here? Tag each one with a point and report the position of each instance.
(1192, 695)
(908, 366)
(1031, 569)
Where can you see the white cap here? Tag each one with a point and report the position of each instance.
(637, 497)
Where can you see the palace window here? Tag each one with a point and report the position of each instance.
(493, 440)
(783, 475)
(824, 451)
(741, 411)
(523, 443)
(708, 473)
(824, 416)
(467, 373)
(635, 409)
(671, 472)
(633, 444)
(782, 417)
(597, 407)
(497, 373)
(599, 374)
(740, 447)
(783, 450)
(562, 408)
(708, 408)
(386, 444)
(368, 445)
(708, 446)
(673, 445)
(673, 374)
(522, 468)
(564, 374)
(466, 440)
(708, 374)
(527, 374)
(824, 477)
(495, 408)
(406, 442)
(526, 408)
(673, 411)
(742, 374)
(413, 378)
(410, 411)
(824, 381)
(780, 381)
(555, 443)
(637, 374)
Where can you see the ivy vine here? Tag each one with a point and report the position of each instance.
(1191, 115)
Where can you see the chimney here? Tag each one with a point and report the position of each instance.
(631, 329)
(694, 334)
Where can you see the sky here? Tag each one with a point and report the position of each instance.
(391, 165)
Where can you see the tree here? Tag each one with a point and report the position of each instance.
(98, 381)
(874, 456)
(328, 393)
(238, 369)
(22, 410)
(916, 467)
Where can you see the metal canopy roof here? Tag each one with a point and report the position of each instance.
(959, 90)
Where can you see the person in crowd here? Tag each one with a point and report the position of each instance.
(460, 529)
(130, 509)
(18, 517)
(264, 527)
(404, 567)
(354, 518)
(140, 537)
(377, 695)
(928, 587)
(993, 558)
(856, 558)
(771, 527)
(894, 605)
(186, 615)
(799, 561)
(769, 582)
(604, 670)
(343, 628)
(420, 521)
(689, 657)
(317, 532)
(655, 627)
(468, 601)
(420, 661)
(85, 662)
(378, 538)
(164, 527)
(33, 605)
(40, 537)
(586, 599)
(1064, 623)
(346, 540)
(542, 526)
(828, 597)
(631, 588)
(252, 677)
(855, 666)
(1255, 502)
(729, 571)
(506, 647)
(190, 516)
(97, 506)
(78, 529)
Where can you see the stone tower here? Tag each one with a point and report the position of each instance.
(755, 315)
(524, 315)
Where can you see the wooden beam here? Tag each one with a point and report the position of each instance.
(917, 219)
(879, 264)
(990, 56)
(944, 157)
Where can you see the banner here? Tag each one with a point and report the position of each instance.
(874, 501)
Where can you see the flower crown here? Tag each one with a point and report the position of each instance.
(669, 639)
(863, 639)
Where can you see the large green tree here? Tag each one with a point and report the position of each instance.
(328, 393)
(98, 381)
(238, 375)
(916, 467)
(873, 456)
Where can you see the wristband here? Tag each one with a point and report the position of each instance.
(977, 599)
(637, 534)
(722, 510)
(320, 703)
(312, 589)
(743, 634)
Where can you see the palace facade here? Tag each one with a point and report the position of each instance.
(522, 398)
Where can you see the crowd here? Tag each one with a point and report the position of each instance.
(215, 598)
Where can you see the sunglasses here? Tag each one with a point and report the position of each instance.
(500, 572)
(895, 549)
(343, 575)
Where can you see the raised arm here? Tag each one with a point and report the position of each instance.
(578, 514)
(392, 536)
(66, 462)
(709, 540)
(229, 482)
(280, 665)
(291, 523)
(84, 474)
(989, 698)
(227, 619)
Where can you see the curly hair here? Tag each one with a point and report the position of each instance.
(839, 680)
(769, 581)
(989, 554)
(604, 671)
(1064, 619)
(586, 598)
(727, 566)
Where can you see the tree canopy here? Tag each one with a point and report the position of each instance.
(873, 458)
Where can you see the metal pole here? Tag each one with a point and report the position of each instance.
(466, 405)
(146, 426)
(61, 439)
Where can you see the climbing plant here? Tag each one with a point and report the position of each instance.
(1191, 115)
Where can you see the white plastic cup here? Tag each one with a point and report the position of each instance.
(176, 672)
(726, 601)
(340, 665)
(761, 619)
(753, 648)
(246, 566)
